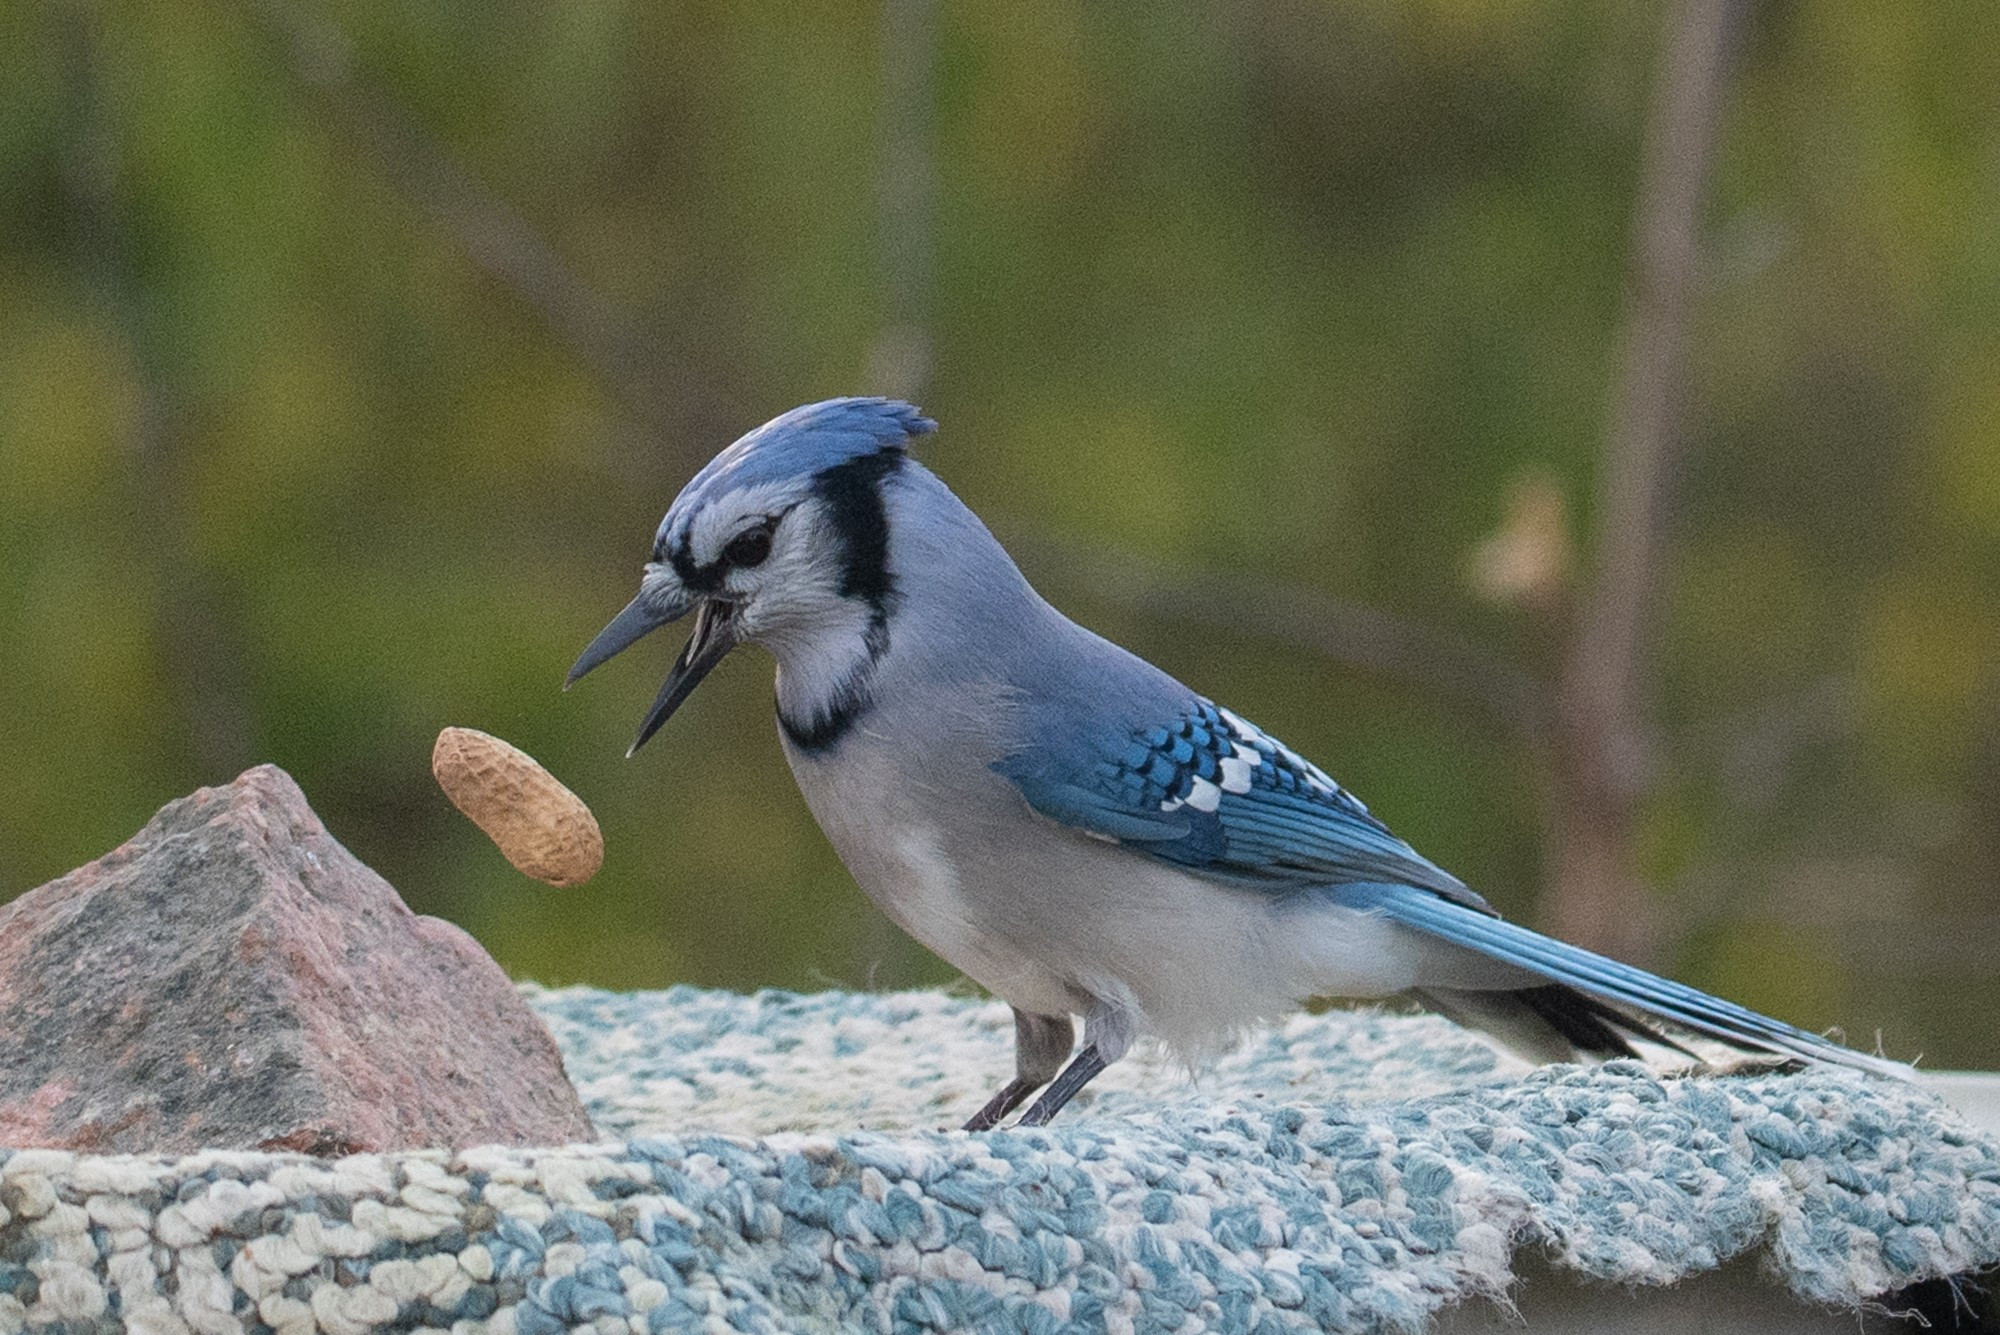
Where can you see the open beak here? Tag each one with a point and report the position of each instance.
(714, 636)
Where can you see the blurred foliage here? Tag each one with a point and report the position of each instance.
(1297, 291)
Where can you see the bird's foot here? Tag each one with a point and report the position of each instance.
(1010, 1097)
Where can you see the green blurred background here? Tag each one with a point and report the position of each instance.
(349, 353)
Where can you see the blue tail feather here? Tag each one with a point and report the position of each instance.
(1602, 978)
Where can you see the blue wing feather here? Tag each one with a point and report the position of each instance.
(1212, 791)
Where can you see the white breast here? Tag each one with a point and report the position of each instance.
(922, 893)
(901, 859)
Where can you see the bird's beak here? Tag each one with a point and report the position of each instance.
(714, 636)
(641, 617)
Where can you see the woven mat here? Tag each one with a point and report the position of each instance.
(779, 1163)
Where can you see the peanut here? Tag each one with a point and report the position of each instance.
(543, 828)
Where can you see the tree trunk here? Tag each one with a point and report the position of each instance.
(1603, 747)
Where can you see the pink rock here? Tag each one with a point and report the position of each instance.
(232, 977)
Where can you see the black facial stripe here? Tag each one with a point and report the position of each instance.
(828, 728)
(708, 578)
(697, 579)
(852, 494)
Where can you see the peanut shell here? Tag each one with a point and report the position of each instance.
(543, 828)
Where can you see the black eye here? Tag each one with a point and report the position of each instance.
(748, 548)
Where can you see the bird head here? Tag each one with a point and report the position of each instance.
(782, 540)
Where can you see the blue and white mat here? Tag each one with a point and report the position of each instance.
(779, 1163)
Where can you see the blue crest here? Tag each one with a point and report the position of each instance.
(807, 441)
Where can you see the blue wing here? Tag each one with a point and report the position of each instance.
(1212, 791)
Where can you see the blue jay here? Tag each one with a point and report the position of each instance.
(1072, 827)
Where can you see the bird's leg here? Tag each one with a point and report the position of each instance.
(1107, 1033)
(1040, 1044)
(1075, 1076)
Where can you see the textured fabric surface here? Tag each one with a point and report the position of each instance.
(775, 1163)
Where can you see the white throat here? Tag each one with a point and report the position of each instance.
(826, 670)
